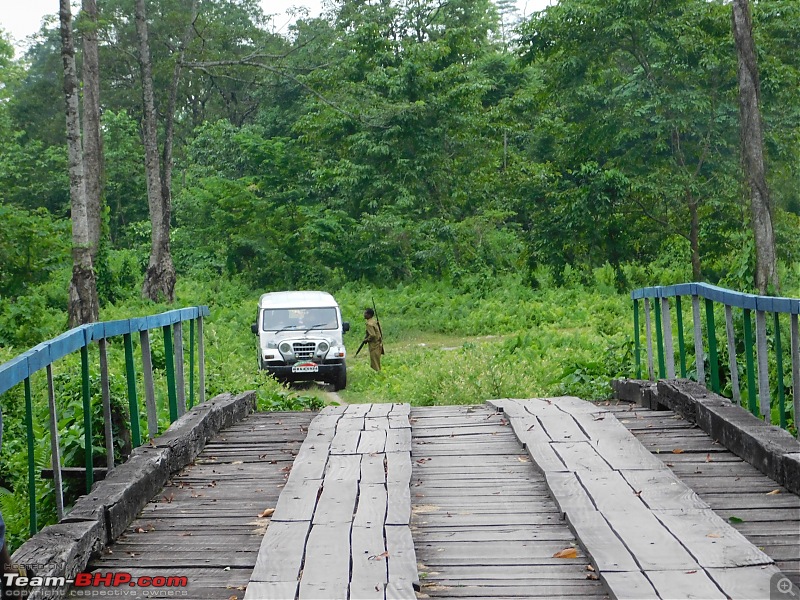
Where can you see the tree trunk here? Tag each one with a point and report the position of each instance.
(752, 142)
(159, 281)
(694, 238)
(169, 118)
(92, 140)
(83, 305)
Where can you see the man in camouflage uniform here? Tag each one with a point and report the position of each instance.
(374, 339)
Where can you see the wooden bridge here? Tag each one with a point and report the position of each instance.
(670, 491)
(540, 498)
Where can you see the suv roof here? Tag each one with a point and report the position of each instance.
(302, 299)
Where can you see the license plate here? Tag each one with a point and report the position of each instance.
(306, 368)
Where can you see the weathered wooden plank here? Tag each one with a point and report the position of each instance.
(711, 540)
(397, 421)
(561, 427)
(398, 467)
(398, 440)
(371, 511)
(369, 571)
(568, 493)
(379, 409)
(400, 590)
(630, 585)
(616, 444)
(399, 504)
(281, 553)
(357, 410)
(402, 561)
(685, 584)
(273, 590)
(609, 492)
(745, 582)
(607, 552)
(337, 503)
(663, 490)
(343, 467)
(350, 423)
(309, 463)
(652, 544)
(326, 571)
(373, 468)
(400, 409)
(540, 450)
(375, 423)
(297, 501)
(581, 456)
(372, 442)
(345, 441)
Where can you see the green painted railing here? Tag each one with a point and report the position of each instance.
(760, 398)
(44, 356)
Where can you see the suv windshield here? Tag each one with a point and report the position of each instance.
(298, 319)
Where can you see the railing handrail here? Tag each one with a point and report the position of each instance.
(42, 356)
(723, 295)
(759, 400)
(19, 368)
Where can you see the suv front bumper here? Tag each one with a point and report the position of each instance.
(327, 372)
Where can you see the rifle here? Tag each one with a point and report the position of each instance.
(375, 310)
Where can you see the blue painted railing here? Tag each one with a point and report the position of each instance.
(20, 369)
(759, 402)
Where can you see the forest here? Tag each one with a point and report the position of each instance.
(478, 173)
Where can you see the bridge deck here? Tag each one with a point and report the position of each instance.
(483, 520)
(205, 524)
(482, 515)
(764, 512)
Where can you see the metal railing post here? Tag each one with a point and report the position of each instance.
(648, 329)
(133, 402)
(31, 457)
(180, 380)
(699, 359)
(669, 350)
(149, 386)
(713, 359)
(681, 341)
(55, 447)
(795, 343)
(87, 418)
(201, 359)
(169, 357)
(106, 395)
(191, 363)
(730, 334)
(763, 366)
(749, 363)
(659, 339)
(779, 373)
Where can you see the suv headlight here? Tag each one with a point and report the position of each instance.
(285, 348)
(322, 348)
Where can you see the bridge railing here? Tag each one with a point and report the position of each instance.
(759, 397)
(22, 368)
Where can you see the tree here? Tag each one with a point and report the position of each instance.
(92, 140)
(160, 277)
(83, 303)
(752, 144)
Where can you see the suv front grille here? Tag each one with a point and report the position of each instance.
(304, 349)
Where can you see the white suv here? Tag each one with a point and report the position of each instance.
(300, 337)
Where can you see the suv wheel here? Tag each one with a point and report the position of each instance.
(340, 382)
